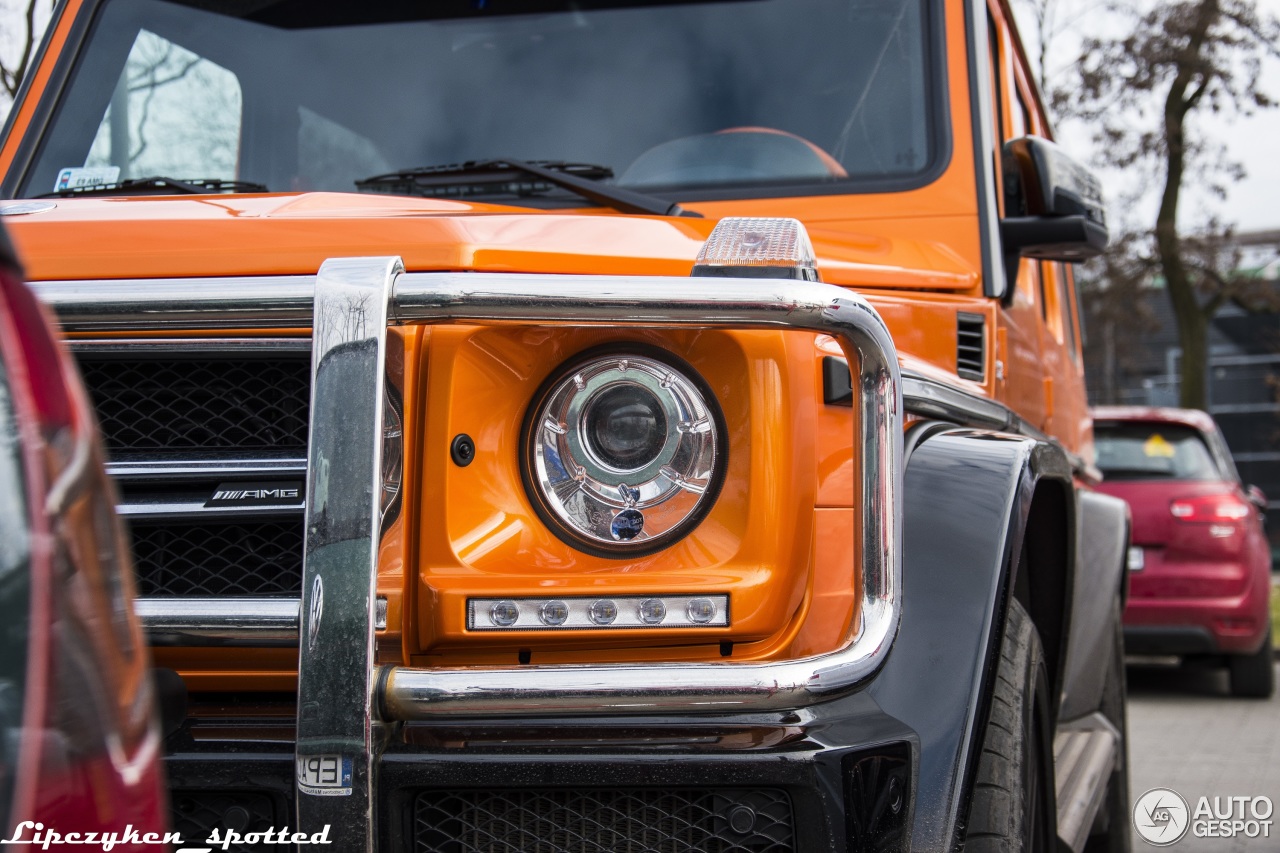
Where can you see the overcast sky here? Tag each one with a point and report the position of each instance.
(1253, 141)
(1252, 204)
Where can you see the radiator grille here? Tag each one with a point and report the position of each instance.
(196, 814)
(604, 821)
(212, 403)
(247, 558)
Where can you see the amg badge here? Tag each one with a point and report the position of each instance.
(281, 493)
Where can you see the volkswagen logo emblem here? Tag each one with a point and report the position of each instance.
(314, 612)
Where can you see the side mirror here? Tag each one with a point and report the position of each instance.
(1053, 204)
(1256, 497)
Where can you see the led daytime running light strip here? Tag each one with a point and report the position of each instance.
(628, 611)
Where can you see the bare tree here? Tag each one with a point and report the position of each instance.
(1051, 30)
(1112, 291)
(1143, 92)
(17, 44)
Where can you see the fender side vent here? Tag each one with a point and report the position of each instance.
(971, 346)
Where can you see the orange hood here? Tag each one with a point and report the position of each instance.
(168, 236)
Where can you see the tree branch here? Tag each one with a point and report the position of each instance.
(1190, 101)
(156, 84)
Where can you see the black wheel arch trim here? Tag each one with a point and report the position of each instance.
(969, 496)
(1102, 544)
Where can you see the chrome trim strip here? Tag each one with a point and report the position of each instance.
(269, 302)
(181, 346)
(934, 399)
(219, 621)
(153, 468)
(923, 396)
(196, 510)
(340, 566)
(412, 694)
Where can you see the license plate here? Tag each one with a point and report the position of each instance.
(1137, 559)
(324, 775)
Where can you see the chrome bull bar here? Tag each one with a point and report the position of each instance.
(300, 302)
(344, 700)
(481, 298)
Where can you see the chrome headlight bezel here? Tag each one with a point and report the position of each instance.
(609, 511)
(392, 455)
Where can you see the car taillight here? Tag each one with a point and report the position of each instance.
(1212, 508)
(51, 401)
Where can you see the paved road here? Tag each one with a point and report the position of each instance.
(1187, 733)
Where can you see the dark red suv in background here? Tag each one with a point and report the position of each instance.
(79, 740)
(1200, 564)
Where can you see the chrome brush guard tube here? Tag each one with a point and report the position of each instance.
(482, 298)
(344, 699)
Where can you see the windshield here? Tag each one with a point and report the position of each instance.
(1152, 451)
(697, 100)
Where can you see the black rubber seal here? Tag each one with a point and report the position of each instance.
(462, 450)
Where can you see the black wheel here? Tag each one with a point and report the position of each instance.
(1013, 810)
(1254, 675)
(1111, 826)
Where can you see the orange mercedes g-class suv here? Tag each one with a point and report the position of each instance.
(592, 424)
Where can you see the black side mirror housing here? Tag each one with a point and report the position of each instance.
(1053, 204)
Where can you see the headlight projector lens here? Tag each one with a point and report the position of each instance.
(624, 451)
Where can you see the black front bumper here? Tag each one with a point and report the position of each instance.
(838, 777)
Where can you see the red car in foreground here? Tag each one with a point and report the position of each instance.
(1200, 565)
(79, 741)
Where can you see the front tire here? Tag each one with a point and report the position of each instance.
(1012, 810)
(1254, 676)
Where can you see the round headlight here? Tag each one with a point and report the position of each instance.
(626, 427)
(625, 451)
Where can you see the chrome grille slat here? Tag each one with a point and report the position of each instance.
(135, 467)
(166, 509)
(219, 621)
(186, 304)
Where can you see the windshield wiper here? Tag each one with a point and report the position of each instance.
(161, 186)
(481, 177)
